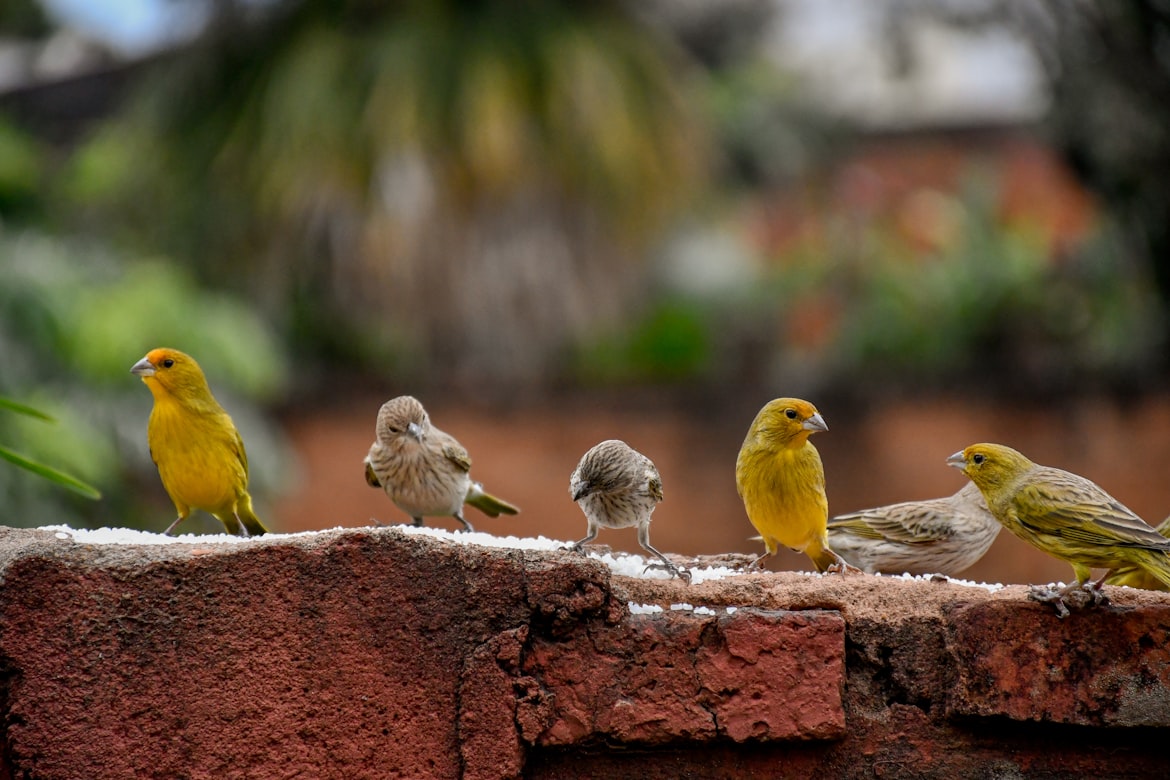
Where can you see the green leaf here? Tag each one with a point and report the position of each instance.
(19, 408)
(51, 474)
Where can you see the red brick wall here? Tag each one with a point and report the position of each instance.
(370, 654)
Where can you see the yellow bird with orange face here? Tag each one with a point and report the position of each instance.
(781, 480)
(193, 442)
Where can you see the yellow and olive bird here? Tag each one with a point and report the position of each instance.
(193, 442)
(782, 482)
(1065, 515)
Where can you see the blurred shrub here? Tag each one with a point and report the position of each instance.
(987, 302)
(20, 171)
(672, 342)
(73, 319)
(954, 298)
(42, 470)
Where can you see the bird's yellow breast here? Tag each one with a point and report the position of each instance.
(198, 457)
(783, 493)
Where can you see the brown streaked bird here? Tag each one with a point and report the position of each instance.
(1066, 516)
(936, 536)
(424, 470)
(618, 487)
(193, 442)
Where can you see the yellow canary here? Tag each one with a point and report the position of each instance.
(937, 536)
(781, 480)
(425, 471)
(198, 451)
(1066, 516)
(1135, 577)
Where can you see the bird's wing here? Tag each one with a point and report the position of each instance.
(371, 476)
(455, 452)
(654, 485)
(1080, 511)
(913, 522)
(237, 445)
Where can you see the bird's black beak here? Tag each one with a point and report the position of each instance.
(142, 368)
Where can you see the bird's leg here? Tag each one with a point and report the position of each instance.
(466, 525)
(172, 526)
(578, 546)
(243, 528)
(417, 522)
(1097, 590)
(756, 563)
(644, 540)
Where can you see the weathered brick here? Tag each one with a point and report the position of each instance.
(1097, 667)
(751, 675)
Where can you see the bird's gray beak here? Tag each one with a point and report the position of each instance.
(415, 430)
(815, 423)
(581, 491)
(957, 460)
(142, 368)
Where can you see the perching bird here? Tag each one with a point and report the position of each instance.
(617, 487)
(1066, 516)
(937, 536)
(1133, 576)
(198, 451)
(782, 483)
(424, 470)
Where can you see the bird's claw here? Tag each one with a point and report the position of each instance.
(757, 564)
(1053, 596)
(677, 571)
(1097, 595)
(1079, 596)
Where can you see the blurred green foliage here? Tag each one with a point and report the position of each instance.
(991, 308)
(35, 467)
(21, 171)
(670, 343)
(24, 18)
(441, 178)
(859, 307)
(73, 318)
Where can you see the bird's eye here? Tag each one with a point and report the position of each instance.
(977, 459)
(168, 363)
(790, 414)
(393, 429)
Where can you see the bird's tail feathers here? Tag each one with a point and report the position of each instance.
(487, 503)
(1157, 564)
(822, 557)
(248, 517)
